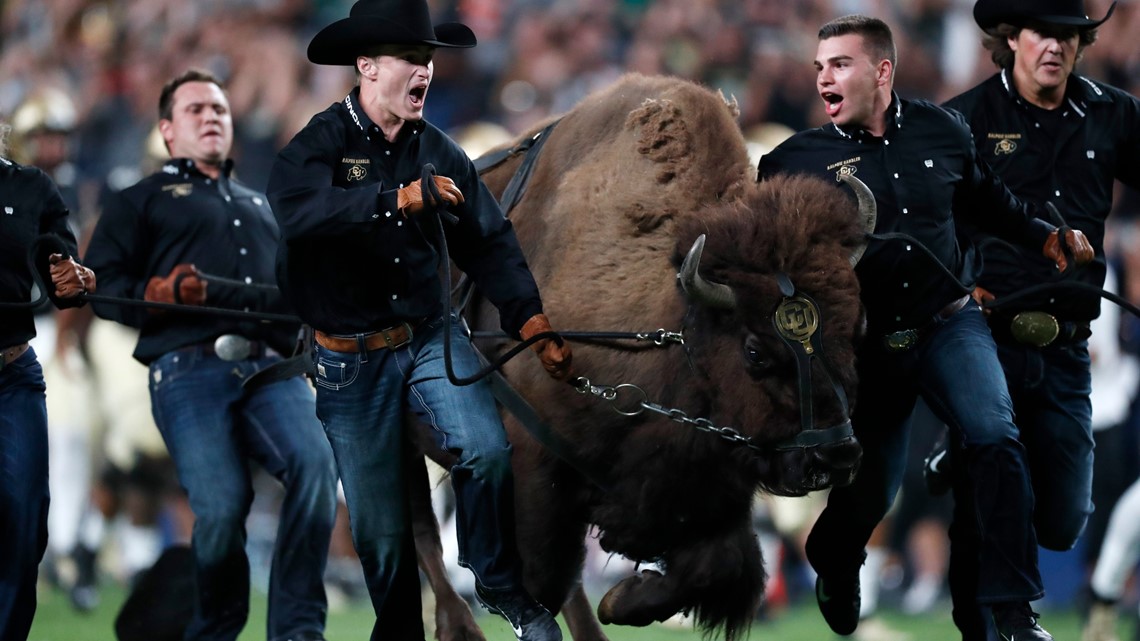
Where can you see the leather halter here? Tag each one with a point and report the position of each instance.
(797, 321)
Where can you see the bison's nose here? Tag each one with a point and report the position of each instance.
(842, 457)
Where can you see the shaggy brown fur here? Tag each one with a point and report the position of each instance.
(624, 185)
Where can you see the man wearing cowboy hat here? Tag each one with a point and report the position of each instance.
(1053, 136)
(360, 261)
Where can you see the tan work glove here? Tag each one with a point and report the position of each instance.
(410, 199)
(555, 360)
(981, 295)
(191, 291)
(1078, 245)
(69, 277)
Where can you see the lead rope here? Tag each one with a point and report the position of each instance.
(427, 182)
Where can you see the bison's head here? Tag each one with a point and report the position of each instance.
(773, 323)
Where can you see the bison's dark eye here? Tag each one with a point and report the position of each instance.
(759, 362)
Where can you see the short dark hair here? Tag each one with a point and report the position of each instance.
(877, 37)
(166, 98)
(996, 40)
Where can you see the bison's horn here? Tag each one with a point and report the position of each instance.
(868, 212)
(699, 290)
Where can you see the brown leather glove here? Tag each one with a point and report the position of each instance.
(410, 199)
(555, 360)
(1078, 245)
(69, 277)
(981, 295)
(191, 291)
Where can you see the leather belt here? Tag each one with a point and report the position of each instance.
(391, 338)
(231, 347)
(1038, 329)
(905, 339)
(9, 354)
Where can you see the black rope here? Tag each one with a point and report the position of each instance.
(234, 282)
(192, 309)
(267, 317)
(426, 178)
(1062, 281)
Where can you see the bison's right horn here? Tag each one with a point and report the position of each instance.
(868, 212)
(699, 290)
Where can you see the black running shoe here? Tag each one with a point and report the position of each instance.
(1017, 622)
(839, 599)
(529, 620)
(936, 469)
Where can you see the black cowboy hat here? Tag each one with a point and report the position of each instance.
(1064, 13)
(382, 22)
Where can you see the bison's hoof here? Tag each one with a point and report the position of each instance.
(638, 600)
(455, 622)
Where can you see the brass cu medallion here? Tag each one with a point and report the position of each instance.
(797, 319)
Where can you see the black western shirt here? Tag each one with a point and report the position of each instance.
(180, 215)
(30, 206)
(925, 175)
(350, 262)
(1068, 156)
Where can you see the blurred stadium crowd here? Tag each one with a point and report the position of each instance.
(535, 57)
(79, 83)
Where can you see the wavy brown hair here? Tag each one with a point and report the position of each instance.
(996, 40)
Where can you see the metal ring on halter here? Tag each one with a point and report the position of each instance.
(640, 404)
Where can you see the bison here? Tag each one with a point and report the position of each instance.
(645, 179)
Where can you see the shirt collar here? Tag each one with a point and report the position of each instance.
(176, 166)
(1079, 91)
(894, 121)
(370, 129)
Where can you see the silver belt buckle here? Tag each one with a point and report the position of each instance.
(1038, 329)
(900, 341)
(232, 347)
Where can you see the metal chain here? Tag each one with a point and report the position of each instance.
(610, 393)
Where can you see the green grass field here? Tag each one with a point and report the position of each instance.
(56, 621)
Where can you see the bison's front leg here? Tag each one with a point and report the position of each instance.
(580, 617)
(720, 580)
(453, 618)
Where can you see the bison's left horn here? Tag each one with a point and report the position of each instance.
(868, 212)
(699, 290)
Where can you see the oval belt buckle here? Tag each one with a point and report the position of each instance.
(900, 341)
(232, 347)
(1038, 329)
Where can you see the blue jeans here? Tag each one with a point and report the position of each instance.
(23, 492)
(955, 369)
(212, 428)
(362, 399)
(1050, 389)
